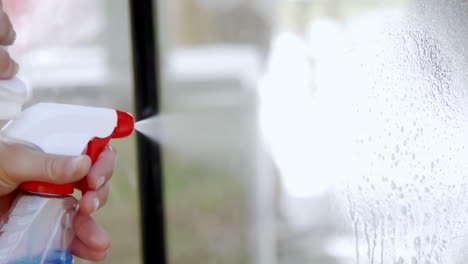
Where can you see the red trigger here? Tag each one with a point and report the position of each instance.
(125, 125)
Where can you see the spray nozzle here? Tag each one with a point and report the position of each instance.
(125, 125)
(67, 130)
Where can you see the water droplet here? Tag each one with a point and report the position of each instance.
(404, 210)
(417, 243)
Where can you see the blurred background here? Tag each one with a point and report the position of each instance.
(292, 131)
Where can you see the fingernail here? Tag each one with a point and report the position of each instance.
(95, 204)
(100, 182)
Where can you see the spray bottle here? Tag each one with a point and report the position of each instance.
(38, 228)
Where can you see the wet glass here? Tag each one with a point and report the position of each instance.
(78, 52)
(314, 131)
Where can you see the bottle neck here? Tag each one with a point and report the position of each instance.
(48, 188)
(50, 195)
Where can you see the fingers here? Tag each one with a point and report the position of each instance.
(8, 67)
(103, 169)
(98, 181)
(90, 234)
(20, 164)
(80, 249)
(92, 242)
(7, 33)
(94, 200)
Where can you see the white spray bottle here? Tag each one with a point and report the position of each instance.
(38, 227)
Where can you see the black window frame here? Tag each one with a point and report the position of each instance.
(145, 49)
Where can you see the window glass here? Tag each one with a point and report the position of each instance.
(78, 52)
(300, 131)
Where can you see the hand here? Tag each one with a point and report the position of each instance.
(91, 241)
(8, 67)
(20, 164)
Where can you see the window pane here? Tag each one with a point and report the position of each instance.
(78, 52)
(303, 131)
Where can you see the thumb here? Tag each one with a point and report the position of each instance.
(20, 164)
